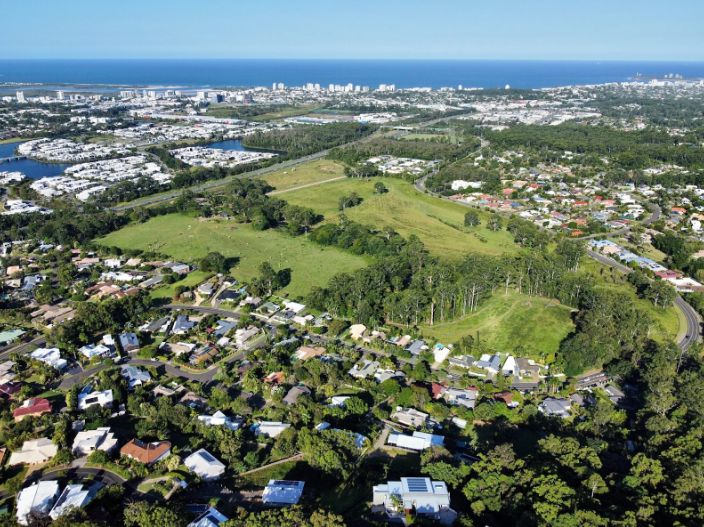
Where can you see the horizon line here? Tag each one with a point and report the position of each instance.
(356, 59)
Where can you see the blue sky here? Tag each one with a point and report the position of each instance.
(406, 29)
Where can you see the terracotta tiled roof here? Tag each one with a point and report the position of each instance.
(145, 452)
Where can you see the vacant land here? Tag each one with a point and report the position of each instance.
(191, 280)
(189, 239)
(438, 223)
(508, 322)
(306, 174)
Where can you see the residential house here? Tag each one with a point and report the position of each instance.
(615, 395)
(220, 419)
(463, 361)
(74, 496)
(8, 390)
(294, 393)
(308, 352)
(135, 377)
(419, 496)
(229, 295)
(338, 401)
(206, 289)
(281, 493)
(50, 356)
(365, 370)
(419, 441)
(129, 342)
(204, 465)
(410, 417)
(510, 367)
(441, 353)
(274, 378)
(210, 518)
(223, 327)
(203, 355)
(270, 428)
(461, 397)
(38, 498)
(194, 401)
(526, 366)
(243, 335)
(91, 351)
(147, 453)
(357, 331)
(555, 407)
(490, 363)
(86, 400)
(89, 441)
(34, 452)
(34, 407)
(182, 325)
(416, 347)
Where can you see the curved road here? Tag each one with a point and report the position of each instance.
(693, 323)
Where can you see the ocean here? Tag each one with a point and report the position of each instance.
(190, 74)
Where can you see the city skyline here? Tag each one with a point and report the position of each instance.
(313, 29)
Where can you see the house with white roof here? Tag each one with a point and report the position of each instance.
(91, 351)
(34, 452)
(74, 496)
(135, 377)
(89, 441)
(419, 496)
(270, 428)
(50, 356)
(510, 367)
(204, 465)
(281, 493)
(210, 518)
(86, 400)
(220, 419)
(39, 498)
(419, 441)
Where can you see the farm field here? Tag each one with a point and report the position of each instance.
(439, 224)
(189, 239)
(306, 174)
(508, 322)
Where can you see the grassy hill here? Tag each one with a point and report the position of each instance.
(188, 239)
(506, 322)
(438, 223)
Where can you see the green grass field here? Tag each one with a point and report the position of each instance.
(189, 239)
(506, 322)
(192, 280)
(306, 174)
(438, 223)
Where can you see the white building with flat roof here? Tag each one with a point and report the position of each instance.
(419, 496)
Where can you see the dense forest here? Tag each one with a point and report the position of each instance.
(629, 150)
(305, 140)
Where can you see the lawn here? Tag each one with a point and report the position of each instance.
(261, 478)
(191, 280)
(305, 174)
(189, 239)
(506, 322)
(438, 223)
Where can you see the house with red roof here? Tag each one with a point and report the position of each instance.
(9, 389)
(32, 407)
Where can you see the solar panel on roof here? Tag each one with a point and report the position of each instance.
(417, 485)
(207, 457)
(286, 483)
